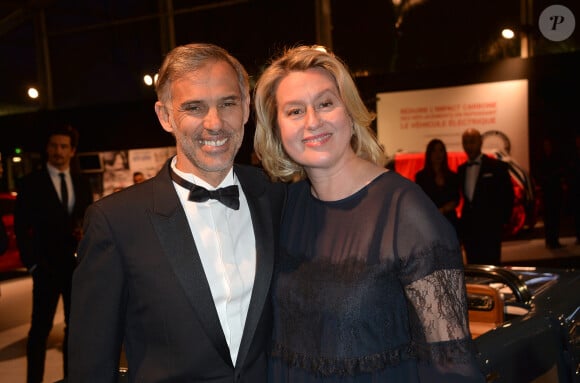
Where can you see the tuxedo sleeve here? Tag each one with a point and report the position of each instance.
(506, 192)
(98, 301)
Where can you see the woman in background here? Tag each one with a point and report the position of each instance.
(439, 182)
(369, 285)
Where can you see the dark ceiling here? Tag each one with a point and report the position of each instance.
(96, 51)
(91, 52)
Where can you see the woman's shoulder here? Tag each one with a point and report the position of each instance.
(421, 175)
(396, 179)
(393, 185)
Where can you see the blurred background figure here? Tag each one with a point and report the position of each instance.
(48, 216)
(575, 187)
(488, 199)
(138, 177)
(551, 179)
(3, 234)
(439, 182)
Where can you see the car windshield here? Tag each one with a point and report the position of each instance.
(534, 280)
(535, 283)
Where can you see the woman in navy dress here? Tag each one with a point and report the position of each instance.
(369, 286)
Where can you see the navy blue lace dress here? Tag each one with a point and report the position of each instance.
(370, 289)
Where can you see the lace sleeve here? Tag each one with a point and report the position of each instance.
(440, 330)
(433, 277)
(440, 307)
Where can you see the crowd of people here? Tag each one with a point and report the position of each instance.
(483, 183)
(484, 186)
(318, 266)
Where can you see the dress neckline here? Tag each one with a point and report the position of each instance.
(354, 195)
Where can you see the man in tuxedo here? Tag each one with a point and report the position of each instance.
(487, 202)
(48, 215)
(179, 278)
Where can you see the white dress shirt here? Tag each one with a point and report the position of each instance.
(55, 177)
(225, 241)
(471, 174)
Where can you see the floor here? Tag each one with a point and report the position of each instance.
(15, 310)
(15, 304)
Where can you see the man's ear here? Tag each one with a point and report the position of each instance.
(163, 116)
(246, 107)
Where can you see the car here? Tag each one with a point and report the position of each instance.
(524, 321)
(10, 260)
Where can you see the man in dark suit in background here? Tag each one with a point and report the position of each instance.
(488, 197)
(48, 215)
(181, 279)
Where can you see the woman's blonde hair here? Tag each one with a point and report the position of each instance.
(267, 141)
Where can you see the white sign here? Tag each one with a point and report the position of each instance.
(408, 120)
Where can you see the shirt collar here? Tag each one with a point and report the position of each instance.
(477, 160)
(54, 172)
(229, 180)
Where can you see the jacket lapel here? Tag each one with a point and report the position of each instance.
(170, 222)
(49, 187)
(259, 203)
(483, 168)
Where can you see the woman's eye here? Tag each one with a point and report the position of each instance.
(293, 112)
(325, 104)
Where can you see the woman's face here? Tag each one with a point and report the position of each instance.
(438, 154)
(315, 127)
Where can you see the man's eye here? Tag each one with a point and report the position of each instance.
(228, 104)
(193, 108)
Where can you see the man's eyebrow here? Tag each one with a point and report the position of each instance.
(187, 102)
(234, 97)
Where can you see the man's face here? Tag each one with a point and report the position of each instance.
(472, 145)
(206, 115)
(60, 151)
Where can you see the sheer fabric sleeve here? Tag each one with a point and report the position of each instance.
(432, 275)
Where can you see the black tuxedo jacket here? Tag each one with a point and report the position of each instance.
(492, 203)
(140, 281)
(43, 227)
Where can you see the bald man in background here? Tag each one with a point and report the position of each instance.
(488, 197)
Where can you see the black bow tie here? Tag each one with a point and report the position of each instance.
(229, 195)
